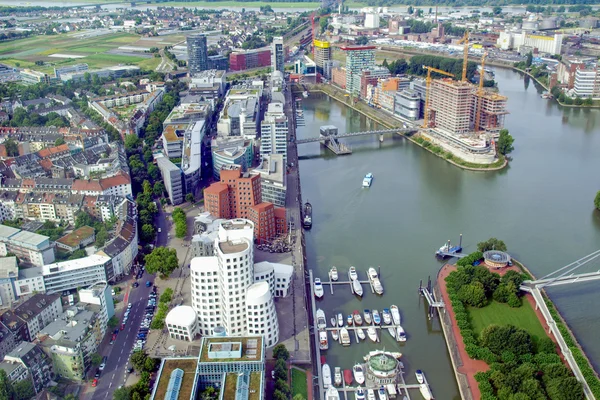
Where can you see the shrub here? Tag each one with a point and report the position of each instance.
(514, 301)
(546, 345)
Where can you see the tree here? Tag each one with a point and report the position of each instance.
(473, 294)
(410, 10)
(148, 233)
(159, 188)
(529, 59)
(597, 201)
(132, 142)
(138, 360)
(491, 244)
(283, 387)
(497, 10)
(281, 352)
(189, 198)
(113, 322)
(123, 393)
(280, 369)
(6, 388)
(564, 389)
(12, 148)
(505, 142)
(96, 359)
(163, 260)
(150, 364)
(59, 141)
(362, 40)
(82, 219)
(277, 395)
(153, 172)
(24, 390)
(298, 397)
(147, 188)
(506, 338)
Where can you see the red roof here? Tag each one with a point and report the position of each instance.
(216, 188)
(86, 185)
(44, 153)
(116, 180)
(46, 164)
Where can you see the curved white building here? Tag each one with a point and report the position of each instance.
(182, 323)
(206, 298)
(260, 313)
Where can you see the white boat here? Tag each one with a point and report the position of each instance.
(337, 376)
(340, 320)
(377, 286)
(323, 342)
(382, 394)
(392, 331)
(333, 274)
(376, 318)
(361, 334)
(352, 274)
(333, 322)
(357, 318)
(420, 376)
(373, 273)
(359, 394)
(359, 374)
(349, 320)
(367, 180)
(344, 337)
(368, 319)
(425, 392)
(395, 314)
(357, 288)
(332, 394)
(326, 375)
(305, 94)
(391, 389)
(321, 321)
(372, 333)
(319, 292)
(335, 334)
(387, 317)
(400, 334)
(371, 395)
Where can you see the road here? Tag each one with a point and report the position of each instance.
(165, 65)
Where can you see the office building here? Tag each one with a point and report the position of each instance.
(58, 72)
(278, 276)
(358, 59)
(81, 272)
(322, 50)
(29, 247)
(240, 60)
(241, 112)
(197, 53)
(231, 151)
(28, 362)
(31, 77)
(371, 77)
(273, 179)
(182, 323)
(172, 179)
(407, 104)
(372, 20)
(587, 83)
(27, 319)
(9, 273)
(277, 55)
(274, 131)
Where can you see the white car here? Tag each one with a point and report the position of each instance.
(129, 306)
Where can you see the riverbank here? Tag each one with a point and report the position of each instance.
(391, 122)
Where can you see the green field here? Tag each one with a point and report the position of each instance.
(501, 314)
(299, 383)
(254, 4)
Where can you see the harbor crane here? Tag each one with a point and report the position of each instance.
(480, 92)
(465, 40)
(427, 88)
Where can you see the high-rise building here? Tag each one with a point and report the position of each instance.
(197, 53)
(587, 83)
(247, 59)
(277, 55)
(274, 130)
(322, 56)
(451, 105)
(358, 58)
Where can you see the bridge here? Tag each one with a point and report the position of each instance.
(322, 138)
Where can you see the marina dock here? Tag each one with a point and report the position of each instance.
(349, 282)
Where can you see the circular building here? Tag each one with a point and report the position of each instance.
(182, 323)
(261, 316)
(382, 368)
(496, 258)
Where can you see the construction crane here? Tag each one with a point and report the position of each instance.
(480, 91)
(465, 40)
(428, 84)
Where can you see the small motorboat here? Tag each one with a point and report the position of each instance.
(382, 393)
(420, 376)
(387, 317)
(348, 377)
(400, 334)
(333, 274)
(344, 337)
(368, 319)
(367, 180)
(373, 273)
(323, 341)
(361, 334)
(371, 394)
(332, 394)
(425, 392)
(357, 288)
(333, 322)
(395, 314)
(391, 390)
(376, 318)
(337, 376)
(357, 318)
(349, 320)
(372, 333)
(359, 374)
(321, 321)
(359, 394)
(377, 286)
(392, 331)
(326, 375)
(319, 292)
(352, 274)
(340, 320)
(335, 334)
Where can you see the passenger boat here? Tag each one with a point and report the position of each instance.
(373, 273)
(367, 180)
(344, 337)
(349, 320)
(333, 274)
(359, 394)
(377, 286)
(319, 292)
(332, 394)
(333, 322)
(337, 376)
(352, 274)
(372, 332)
(323, 342)
(357, 318)
(371, 395)
(321, 321)
(359, 374)
(400, 334)
(420, 376)
(395, 314)
(425, 392)
(357, 288)
(340, 320)
(368, 319)
(382, 394)
(335, 335)
(307, 221)
(361, 333)
(376, 318)
(387, 317)
(326, 375)
(348, 377)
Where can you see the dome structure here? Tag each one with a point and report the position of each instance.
(496, 258)
(182, 323)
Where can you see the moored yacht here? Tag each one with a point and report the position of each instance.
(361, 333)
(321, 321)
(352, 274)
(377, 286)
(340, 320)
(400, 334)
(332, 394)
(357, 318)
(373, 273)
(368, 319)
(326, 375)
(372, 333)
(387, 317)
(419, 375)
(359, 394)
(371, 395)
(395, 314)
(344, 337)
(337, 376)
(323, 342)
(376, 318)
(359, 374)
(382, 394)
(319, 292)
(357, 288)
(333, 274)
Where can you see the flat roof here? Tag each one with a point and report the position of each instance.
(252, 349)
(8, 267)
(75, 238)
(30, 239)
(72, 265)
(188, 366)
(230, 247)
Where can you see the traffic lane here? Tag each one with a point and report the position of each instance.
(161, 224)
(113, 375)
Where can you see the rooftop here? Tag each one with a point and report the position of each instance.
(251, 348)
(71, 265)
(181, 315)
(8, 267)
(188, 366)
(75, 238)
(237, 387)
(230, 247)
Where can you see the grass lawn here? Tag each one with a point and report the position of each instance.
(501, 314)
(299, 383)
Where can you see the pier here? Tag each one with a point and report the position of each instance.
(434, 304)
(450, 251)
(349, 282)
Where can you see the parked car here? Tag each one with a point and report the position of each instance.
(148, 283)
(103, 364)
(95, 382)
(97, 375)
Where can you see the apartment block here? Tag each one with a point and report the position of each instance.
(81, 272)
(240, 60)
(172, 179)
(587, 83)
(322, 50)
(277, 55)
(358, 59)
(28, 362)
(27, 319)
(29, 247)
(451, 105)
(274, 131)
(273, 179)
(9, 273)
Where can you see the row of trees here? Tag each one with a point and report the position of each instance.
(27, 117)
(158, 321)
(180, 220)
(141, 390)
(415, 67)
(21, 390)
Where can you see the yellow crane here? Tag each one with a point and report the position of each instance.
(428, 84)
(465, 40)
(480, 91)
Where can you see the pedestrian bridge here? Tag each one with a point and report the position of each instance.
(322, 138)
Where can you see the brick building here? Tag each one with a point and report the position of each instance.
(241, 60)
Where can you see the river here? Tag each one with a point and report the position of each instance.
(541, 206)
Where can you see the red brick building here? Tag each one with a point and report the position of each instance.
(241, 60)
(238, 195)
